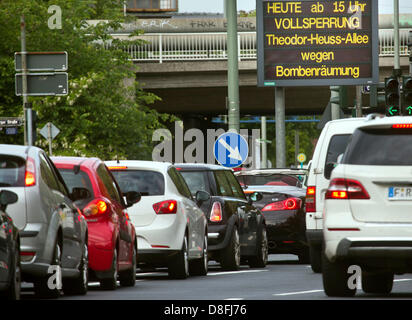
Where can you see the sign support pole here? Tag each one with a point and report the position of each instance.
(280, 127)
(49, 138)
(264, 144)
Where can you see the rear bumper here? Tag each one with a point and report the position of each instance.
(101, 244)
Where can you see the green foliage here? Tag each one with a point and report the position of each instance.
(105, 113)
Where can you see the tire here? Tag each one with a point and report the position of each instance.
(230, 256)
(111, 283)
(199, 267)
(179, 265)
(128, 277)
(315, 258)
(261, 258)
(13, 291)
(79, 285)
(380, 283)
(304, 256)
(41, 286)
(335, 278)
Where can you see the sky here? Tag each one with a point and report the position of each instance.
(216, 6)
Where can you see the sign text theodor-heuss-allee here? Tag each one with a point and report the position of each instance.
(317, 42)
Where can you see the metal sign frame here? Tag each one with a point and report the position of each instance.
(262, 82)
(31, 75)
(45, 65)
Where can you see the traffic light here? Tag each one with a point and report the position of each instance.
(392, 96)
(377, 98)
(341, 99)
(407, 96)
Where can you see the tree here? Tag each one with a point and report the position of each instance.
(105, 114)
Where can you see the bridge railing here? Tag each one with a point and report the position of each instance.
(160, 47)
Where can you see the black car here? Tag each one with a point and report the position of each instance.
(283, 205)
(236, 229)
(10, 275)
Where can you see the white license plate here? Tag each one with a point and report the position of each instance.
(400, 193)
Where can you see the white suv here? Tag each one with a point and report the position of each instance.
(367, 212)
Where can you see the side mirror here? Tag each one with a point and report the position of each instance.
(132, 197)
(255, 196)
(80, 194)
(202, 196)
(329, 168)
(7, 197)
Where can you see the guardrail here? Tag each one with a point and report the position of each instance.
(162, 47)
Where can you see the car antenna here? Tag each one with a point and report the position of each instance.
(117, 159)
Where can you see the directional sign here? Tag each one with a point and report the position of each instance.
(11, 122)
(231, 150)
(53, 130)
(44, 84)
(42, 61)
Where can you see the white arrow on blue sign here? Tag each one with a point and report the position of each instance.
(231, 150)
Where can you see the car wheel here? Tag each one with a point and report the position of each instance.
(335, 278)
(50, 287)
(13, 291)
(199, 267)
(111, 282)
(304, 256)
(79, 285)
(380, 283)
(128, 277)
(230, 256)
(261, 258)
(179, 266)
(315, 257)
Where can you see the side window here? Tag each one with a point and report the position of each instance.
(61, 186)
(108, 183)
(222, 184)
(47, 173)
(234, 185)
(179, 182)
(337, 146)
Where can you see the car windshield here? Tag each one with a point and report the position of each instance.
(74, 179)
(380, 147)
(148, 183)
(276, 179)
(195, 180)
(12, 171)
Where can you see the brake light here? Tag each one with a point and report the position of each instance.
(165, 207)
(311, 199)
(117, 167)
(30, 174)
(216, 213)
(402, 126)
(288, 204)
(340, 188)
(95, 207)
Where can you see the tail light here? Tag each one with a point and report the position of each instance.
(117, 168)
(26, 256)
(95, 208)
(30, 174)
(165, 207)
(216, 213)
(288, 204)
(311, 199)
(402, 126)
(340, 188)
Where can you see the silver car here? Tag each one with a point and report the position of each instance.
(53, 232)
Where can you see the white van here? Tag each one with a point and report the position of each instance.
(332, 142)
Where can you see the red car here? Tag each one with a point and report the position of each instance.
(112, 241)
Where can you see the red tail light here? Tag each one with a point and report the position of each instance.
(165, 207)
(30, 175)
(216, 213)
(311, 199)
(117, 168)
(402, 126)
(96, 207)
(288, 204)
(340, 188)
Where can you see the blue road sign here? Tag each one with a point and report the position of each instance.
(11, 130)
(231, 150)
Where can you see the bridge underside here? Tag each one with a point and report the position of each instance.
(200, 88)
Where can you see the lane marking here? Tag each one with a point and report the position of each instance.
(297, 292)
(222, 273)
(401, 280)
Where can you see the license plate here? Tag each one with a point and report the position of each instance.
(400, 193)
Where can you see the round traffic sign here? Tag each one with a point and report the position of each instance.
(301, 157)
(231, 150)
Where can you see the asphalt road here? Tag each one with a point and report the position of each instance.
(282, 279)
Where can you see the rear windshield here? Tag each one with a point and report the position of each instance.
(76, 180)
(271, 180)
(337, 146)
(380, 147)
(12, 170)
(196, 181)
(148, 183)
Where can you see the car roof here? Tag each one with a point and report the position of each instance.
(75, 161)
(387, 122)
(18, 150)
(139, 164)
(200, 166)
(290, 171)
